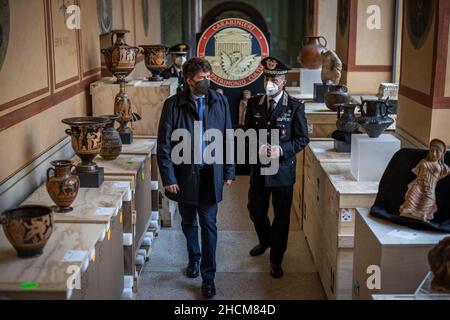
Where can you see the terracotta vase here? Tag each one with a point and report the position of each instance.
(374, 117)
(120, 58)
(337, 95)
(310, 56)
(86, 133)
(347, 121)
(28, 228)
(112, 143)
(63, 185)
(155, 60)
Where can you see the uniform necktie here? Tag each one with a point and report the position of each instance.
(272, 106)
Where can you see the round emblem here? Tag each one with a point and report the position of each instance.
(234, 48)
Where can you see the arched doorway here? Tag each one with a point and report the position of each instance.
(235, 9)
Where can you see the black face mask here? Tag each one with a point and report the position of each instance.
(201, 87)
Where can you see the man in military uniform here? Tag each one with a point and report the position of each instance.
(276, 110)
(179, 57)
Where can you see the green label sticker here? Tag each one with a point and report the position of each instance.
(129, 161)
(142, 175)
(29, 285)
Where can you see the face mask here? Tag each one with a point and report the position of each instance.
(271, 88)
(201, 87)
(179, 61)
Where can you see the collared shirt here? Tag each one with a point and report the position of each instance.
(276, 99)
(177, 70)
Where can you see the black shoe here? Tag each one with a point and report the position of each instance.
(208, 289)
(192, 270)
(258, 250)
(276, 271)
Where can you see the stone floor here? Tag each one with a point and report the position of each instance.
(239, 276)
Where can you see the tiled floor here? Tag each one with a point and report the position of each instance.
(239, 276)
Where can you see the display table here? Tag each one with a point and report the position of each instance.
(146, 146)
(400, 252)
(70, 256)
(323, 150)
(147, 99)
(138, 170)
(331, 196)
(102, 206)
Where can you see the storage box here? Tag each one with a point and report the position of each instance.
(331, 196)
(101, 206)
(400, 253)
(69, 251)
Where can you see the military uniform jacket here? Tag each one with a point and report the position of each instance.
(172, 73)
(290, 120)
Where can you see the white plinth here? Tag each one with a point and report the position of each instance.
(370, 157)
(307, 79)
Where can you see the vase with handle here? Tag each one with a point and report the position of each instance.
(310, 56)
(374, 117)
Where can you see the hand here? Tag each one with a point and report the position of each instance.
(173, 188)
(228, 183)
(274, 152)
(264, 150)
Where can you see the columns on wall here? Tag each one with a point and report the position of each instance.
(365, 43)
(321, 20)
(192, 17)
(424, 102)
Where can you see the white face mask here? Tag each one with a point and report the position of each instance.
(271, 88)
(179, 61)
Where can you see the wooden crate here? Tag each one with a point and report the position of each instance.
(321, 150)
(400, 252)
(331, 197)
(129, 224)
(138, 167)
(147, 99)
(47, 276)
(146, 146)
(101, 206)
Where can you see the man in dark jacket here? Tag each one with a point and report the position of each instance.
(196, 185)
(276, 110)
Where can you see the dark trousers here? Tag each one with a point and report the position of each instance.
(275, 235)
(207, 215)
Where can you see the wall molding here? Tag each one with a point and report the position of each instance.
(436, 99)
(352, 30)
(37, 107)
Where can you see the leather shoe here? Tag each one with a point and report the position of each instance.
(192, 270)
(258, 250)
(276, 271)
(208, 289)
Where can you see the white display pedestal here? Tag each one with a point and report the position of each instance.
(370, 156)
(307, 79)
(400, 253)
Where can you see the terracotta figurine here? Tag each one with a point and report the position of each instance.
(246, 95)
(331, 68)
(439, 259)
(420, 199)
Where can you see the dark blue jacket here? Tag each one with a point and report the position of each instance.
(180, 112)
(290, 120)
